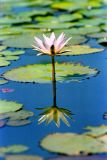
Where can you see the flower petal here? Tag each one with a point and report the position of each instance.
(52, 38)
(40, 44)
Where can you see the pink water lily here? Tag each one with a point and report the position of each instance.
(50, 45)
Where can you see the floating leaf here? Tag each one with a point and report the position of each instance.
(41, 73)
(70, 6)
(103, 41)
(98, 35)
(2, 47)
(9, 106)
(35, 12)
(11, 58)
(73, 144)
(4, 62)
(12, 149)
(22, 157)
(10, 53)
(21, 115)
(18, 122)
(61, 18)
(3, 81)
(94, 12)
(14, 20)
(81, 49)
(96, 131)
(55, 25)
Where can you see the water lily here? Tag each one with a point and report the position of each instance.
(50, 45)
(7, 90)
(54, 114)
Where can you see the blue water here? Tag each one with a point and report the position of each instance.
(86, 99)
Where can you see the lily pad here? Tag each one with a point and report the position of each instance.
(4, 62)
(10, 53)
(36, 12)
(55, 25)
(64, 72)
(22, 157)
(20, 115)
(73, 144)
(12, 149)
(69, 6)
(9, 106)
(14, 20)
(94, 12)
(2, 47)
(18, 122)
(81, 49)
(61, 18)
(96, 131)
(3, 81)
(98, 35)
(11, 58)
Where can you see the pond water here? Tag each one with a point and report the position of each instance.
(87, 99)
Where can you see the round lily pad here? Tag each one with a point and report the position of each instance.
(22, 157)
(80, 50)
(10, 53)
(73, 144)
(3, 81)
(41, 73)
(9, 106)
(18, 122)
(2, 47)
(20, 115)
(11, 58)
(14, 20)
(12, 149)
(4, 62)
(96, 131)
(25, 41)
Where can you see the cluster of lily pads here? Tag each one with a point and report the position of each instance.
(93, 141)
(13, 114)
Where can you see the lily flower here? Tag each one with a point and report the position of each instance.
(50, 45)
(54, 114)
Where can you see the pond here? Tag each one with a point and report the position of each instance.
(81, 75)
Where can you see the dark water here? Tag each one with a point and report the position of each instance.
(86, 99)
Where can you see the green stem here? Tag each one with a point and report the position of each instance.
(53, 81)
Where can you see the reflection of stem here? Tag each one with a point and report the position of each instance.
(53, 77)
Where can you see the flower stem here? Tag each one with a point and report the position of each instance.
(53, 81)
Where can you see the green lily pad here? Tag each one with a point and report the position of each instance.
(10, 31)
(102, 41)
(64, 72)
(80, 50)
(3, 81)
(69, 6)
(4, 62)
(11, 58)
(94, 12)
(10, 53)
(20, 115)
(2, 47)
(73, 144)
(96, 131)
(25, 41)
(104, 27)
(12, 149)
(98, 35)
(14, 20)
(55, 25)
(22, 157)
(80, 31)
(61, 18)
(35, 12)
(18, 122)
(9, 106)
(91, 22)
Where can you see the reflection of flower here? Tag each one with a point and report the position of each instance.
(56, 114)
(7, 90)
(46, 46)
